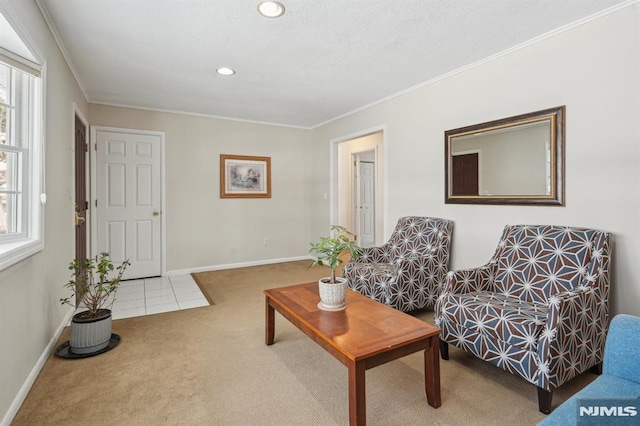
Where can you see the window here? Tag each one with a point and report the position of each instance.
(21, 159)
(12, 153)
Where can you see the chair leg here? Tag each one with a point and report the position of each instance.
(444, 349)
(544, 400)
(596, 369)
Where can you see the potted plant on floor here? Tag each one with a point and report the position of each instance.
(93, 285)
(328, 251)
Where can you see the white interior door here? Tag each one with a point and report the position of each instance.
(366, 203)
(128, 195)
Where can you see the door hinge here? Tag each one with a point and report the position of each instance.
(96, 203)
(95, 146)
(86, 205)
(86, 147)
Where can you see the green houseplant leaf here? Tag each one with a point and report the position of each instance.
(328, 249)
(92, 284)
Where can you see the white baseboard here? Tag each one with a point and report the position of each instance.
(236, 265)
(26, 387)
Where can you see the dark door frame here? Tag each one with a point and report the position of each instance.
(81, 196)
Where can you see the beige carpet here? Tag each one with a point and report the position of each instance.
(210, 366)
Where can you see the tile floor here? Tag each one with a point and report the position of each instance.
(155, 295)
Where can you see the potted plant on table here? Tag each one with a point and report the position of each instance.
(328, 251)
(93, 284)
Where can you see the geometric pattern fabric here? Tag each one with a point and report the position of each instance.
(409, 270)
(539, 308)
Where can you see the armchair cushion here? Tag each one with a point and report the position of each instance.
(503, 318)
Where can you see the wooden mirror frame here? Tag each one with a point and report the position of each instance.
(554, 176)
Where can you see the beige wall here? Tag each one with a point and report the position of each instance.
(203, 230)
(30, 314)
(593, 69)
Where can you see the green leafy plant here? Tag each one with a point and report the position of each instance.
(329, 249)
(92, 285)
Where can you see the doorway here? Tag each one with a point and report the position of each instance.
(347, 156)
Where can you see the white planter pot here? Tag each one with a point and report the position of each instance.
(332, 296)
(90, 335)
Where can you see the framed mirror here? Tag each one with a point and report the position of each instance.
(514, 160)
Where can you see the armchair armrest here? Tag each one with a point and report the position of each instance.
(576, 318)
(594, 289)
(623, 348)
(468, 280)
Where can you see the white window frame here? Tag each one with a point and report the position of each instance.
(30, 240)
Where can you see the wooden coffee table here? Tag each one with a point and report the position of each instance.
(364, 335)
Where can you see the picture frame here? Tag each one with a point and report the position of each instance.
(245, 176)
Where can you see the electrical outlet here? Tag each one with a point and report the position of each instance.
(266, 242)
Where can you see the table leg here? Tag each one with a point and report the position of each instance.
(269, 322)
(432, 373)
(357, 397)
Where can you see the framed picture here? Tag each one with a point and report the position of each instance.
(243, 176)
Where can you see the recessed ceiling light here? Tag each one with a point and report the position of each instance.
(225, 71)
(271, 9)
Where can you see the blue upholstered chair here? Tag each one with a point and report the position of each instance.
(620, 379)
(539, 308)
(409, 270)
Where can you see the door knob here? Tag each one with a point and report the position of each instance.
(156, 213)
(78, 219)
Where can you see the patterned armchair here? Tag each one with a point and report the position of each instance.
(409, 270)
(538, 309)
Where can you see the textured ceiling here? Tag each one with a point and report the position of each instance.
(321, 60)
